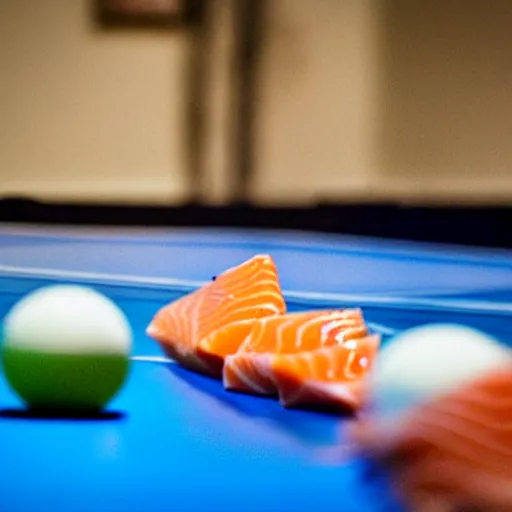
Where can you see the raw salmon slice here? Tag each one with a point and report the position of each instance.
(453, 453)
(332, 376)
(226, 342)
(250, 369)
(242, 293)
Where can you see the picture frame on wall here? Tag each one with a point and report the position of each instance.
(143, 13)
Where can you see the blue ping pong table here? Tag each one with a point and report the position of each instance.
(176, 441)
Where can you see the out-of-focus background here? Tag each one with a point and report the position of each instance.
(382, 117)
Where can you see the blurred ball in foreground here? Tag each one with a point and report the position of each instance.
(66, 347)
(429, 360)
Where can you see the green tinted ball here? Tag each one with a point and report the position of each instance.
(66, 347)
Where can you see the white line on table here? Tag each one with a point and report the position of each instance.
(301, 297)
(152, 359)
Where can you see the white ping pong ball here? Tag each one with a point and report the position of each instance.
(66, 347)
(429, 360)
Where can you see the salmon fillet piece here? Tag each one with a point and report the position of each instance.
(453, 453)
(308, 358)
(220, 310)
(332, 376)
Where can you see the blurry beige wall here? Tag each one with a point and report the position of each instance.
(358, 99)
(318, 100)
(405, 99)
(88, 115)
(445, 103)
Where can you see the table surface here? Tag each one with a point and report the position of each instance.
(175, 440)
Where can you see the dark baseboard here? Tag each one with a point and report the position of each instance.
(472, 225)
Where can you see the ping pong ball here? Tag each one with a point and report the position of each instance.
(425, 361)
(66, 347)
